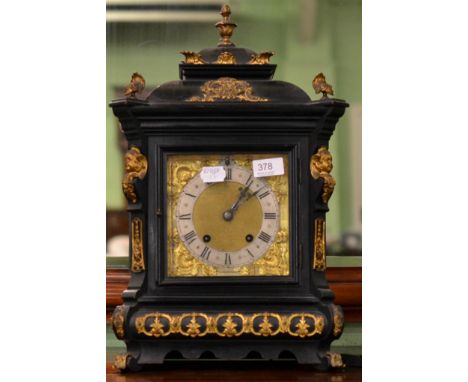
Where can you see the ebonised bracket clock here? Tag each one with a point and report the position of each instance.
(227, 179)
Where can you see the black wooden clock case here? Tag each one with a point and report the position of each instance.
(228, 318)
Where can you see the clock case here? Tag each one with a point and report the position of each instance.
(230, 318)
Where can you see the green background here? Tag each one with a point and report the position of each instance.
(307, 37)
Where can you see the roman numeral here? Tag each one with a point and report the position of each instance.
(190, 237)
(266, 193)
(264, 237)
(227, 259)
(248, 180)
(205, 253)
(186, 193)
(228, 173)
(185, 217)
(250, 253)
(269, 215)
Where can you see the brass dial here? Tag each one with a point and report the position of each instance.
(226, 235)
(231, 223)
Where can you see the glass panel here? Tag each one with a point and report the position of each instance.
(236, 227)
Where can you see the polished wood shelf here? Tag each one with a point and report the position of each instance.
(235, 371)
(346, 282)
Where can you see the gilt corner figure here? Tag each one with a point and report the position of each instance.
(227, 181)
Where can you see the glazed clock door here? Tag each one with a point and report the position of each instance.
(232, 224)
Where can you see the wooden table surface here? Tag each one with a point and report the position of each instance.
(227, 372)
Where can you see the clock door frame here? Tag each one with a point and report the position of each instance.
(296, 147)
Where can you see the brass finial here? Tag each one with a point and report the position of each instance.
(193, 58)
(137, 84)
(225, 27)
(261, 58)
(320, 85)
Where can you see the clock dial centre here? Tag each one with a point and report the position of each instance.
(212, 216)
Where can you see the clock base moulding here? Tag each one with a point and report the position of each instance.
(152, 336)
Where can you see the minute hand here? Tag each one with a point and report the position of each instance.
(255, 193)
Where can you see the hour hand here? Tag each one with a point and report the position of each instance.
(229, 214)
